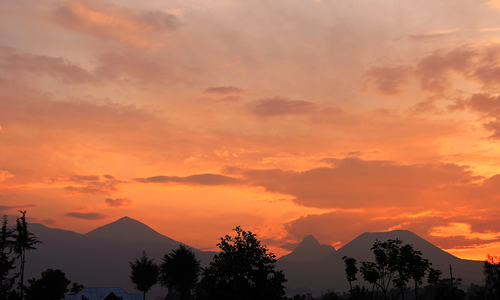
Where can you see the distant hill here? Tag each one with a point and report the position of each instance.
(329, 272)
(101, 257)
(308, 250)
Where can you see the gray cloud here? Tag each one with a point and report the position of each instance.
(223, 90)
(87, 216)
(281, 106)
(199, 179)
(9, 207)
(92, 184)
(119, 202)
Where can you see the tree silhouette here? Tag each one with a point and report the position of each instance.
(144, 273)
(24, 241)
(491, 270)
(394, 266)
(51, 286)
(244, 269)
(75, 288)
(350, 270)
(179, 271)
(6, 263)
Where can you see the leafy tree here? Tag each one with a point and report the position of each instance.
(243, 270)
(51, 286)
(6, 263)
(75, 288)
(144, 273)
(394, 266)
(415, 266)
(179, 271)
(24, 241)
(444, 289)
(330, 295)
(350, 270)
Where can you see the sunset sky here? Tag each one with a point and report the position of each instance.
(286, 117)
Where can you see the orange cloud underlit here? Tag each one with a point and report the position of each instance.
(287, 118)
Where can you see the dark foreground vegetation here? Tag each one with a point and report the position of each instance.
(244, 269)
(14, 243)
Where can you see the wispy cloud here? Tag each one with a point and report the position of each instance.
(118, 202)
(199, 179)
(90, 216)
(108, 21)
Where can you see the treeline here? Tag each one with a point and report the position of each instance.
(14, 243)
(399, 272)
(245, 270)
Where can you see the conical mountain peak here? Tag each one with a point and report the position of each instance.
(308, 250)
(309, 240)
(126, 229)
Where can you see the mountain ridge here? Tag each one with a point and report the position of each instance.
(101, 256)
(309, 249)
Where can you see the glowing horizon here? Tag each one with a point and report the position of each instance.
(287, 118)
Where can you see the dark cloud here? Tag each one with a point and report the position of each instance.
(199, 179)
(87, 216)
(110, 67)
(88, 16)
(495, 127)
(389, 81)
(485, 104)
(354, 183)
(9, 207)
(435, 70)
(426, 37)
(223, 90)
(281, 106)
(92, 184)
(119, 202)
(42, 64)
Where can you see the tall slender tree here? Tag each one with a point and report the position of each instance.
(179, 271)
(6, 262)
(24, 241)
(144, 273)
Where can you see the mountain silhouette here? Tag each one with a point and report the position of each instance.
(329, 272)
(127, 229)
(308, 250)
(100, 258)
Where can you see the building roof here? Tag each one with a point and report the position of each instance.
(101, 294)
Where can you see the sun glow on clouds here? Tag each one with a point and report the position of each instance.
(288, 118)
(461, 229)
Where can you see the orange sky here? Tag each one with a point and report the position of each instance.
(286, 117)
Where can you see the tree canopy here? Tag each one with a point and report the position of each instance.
(51, 286)
(6, 262)
(144, 273)
(244, 269)
(491, 270)
(394, 266)
(179, 271)
(24, 241)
